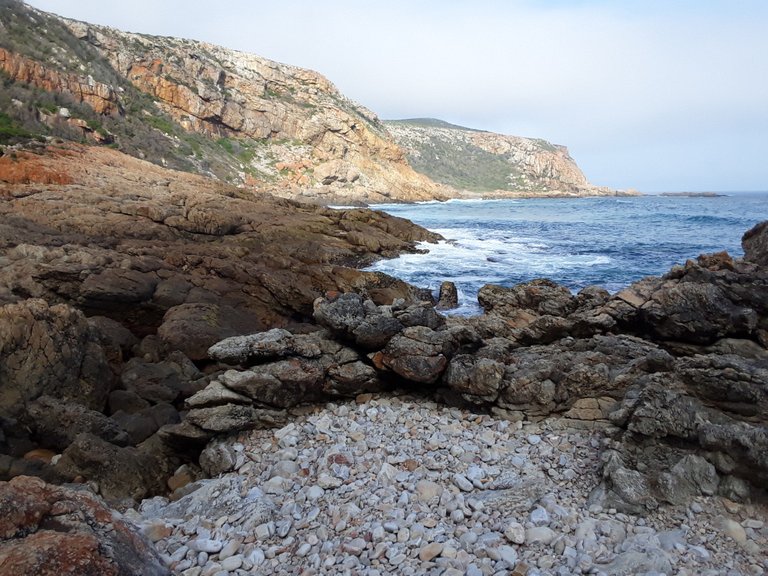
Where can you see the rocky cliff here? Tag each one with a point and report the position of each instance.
(490, 164)
(236, 116)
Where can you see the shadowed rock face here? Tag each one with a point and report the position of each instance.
(49, 530)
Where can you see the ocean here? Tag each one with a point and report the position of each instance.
(577, 242)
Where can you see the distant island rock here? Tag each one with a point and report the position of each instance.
(693, 194)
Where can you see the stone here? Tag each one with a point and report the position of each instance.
(515, 533)
(426, 490)
(448, 297)
(430, 551)
(91, 540)
(539, 534)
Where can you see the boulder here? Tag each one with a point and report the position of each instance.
(53, 531)
(539, 296)
(448, 296)
(119, 472)
(50, 350)
(755, 244)
(55, 424)
(234, 418)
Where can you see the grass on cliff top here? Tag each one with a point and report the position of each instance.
(430, 123)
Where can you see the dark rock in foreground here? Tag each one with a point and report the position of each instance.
(54, 531)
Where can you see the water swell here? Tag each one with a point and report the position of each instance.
(576, 242)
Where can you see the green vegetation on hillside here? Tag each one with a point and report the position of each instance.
(141, 128)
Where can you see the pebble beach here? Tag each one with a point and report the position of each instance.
(404, 485)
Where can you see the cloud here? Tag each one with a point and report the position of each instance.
(654, 95)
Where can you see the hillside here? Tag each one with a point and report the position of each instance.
(196, 107)
(482, 162)
(246, 120)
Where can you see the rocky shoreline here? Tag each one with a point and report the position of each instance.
(150, 319)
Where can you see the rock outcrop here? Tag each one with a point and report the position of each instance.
(55, 531)
(489, 164)
(677, 365)
(112, 287)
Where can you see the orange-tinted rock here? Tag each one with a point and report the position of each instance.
(101, 97)
(49, 530)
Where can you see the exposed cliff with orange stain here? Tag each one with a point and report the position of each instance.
(101, 97)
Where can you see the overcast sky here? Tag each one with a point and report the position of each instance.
(648, 94)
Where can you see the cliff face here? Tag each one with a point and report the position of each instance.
(247, 120)
(489, 163)
(292, 124)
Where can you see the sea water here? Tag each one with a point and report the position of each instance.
(577, 242)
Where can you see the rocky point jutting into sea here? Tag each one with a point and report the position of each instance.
(196, 378)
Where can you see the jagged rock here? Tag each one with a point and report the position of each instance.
(622, 488)
(55, 424)
(120, 472)
(755, 244)
(50, 350)
(51, 531)
(255, 348)
(540, 297)
(218, 456)
(164, 381)
(116, 340)
(351, 379)
(216, 394)
(690, 477)
(193, 328)
(234, 418)
(281, 384)
(144, 423)
(357, 320)
(126, 401)
(694, 312)
(448, 297)
(420, 354)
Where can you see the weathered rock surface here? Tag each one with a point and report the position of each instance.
(166, 264)
(50, 530)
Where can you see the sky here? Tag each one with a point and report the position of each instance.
(655, 95)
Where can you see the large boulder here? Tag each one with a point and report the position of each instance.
(50, 350)
(55, 531)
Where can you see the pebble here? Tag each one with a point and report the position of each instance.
(388, 485)
(430, 551)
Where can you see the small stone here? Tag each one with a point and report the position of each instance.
(539, 516)
(327, 482)
(508, 555)
(230, 549)
(733, 529)
(354, 547)
(539, 534)
(315, 492)
(207, 546)
(515, 533)
(457, 516)
(232, 563)
(534, 439)
(430, 551)
(426, 490)
(303, 550)
(462, 483)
